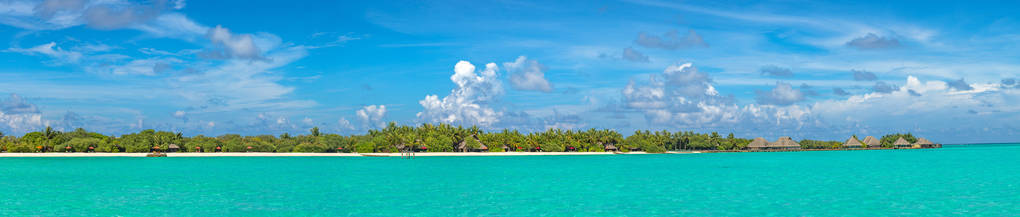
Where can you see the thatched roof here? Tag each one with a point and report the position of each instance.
(901, 142)
(923, 141)
(463, 143)
(785, 141)
(609, 146)
(852, 142)
(872, 142)
(758, 143)
(174, 146)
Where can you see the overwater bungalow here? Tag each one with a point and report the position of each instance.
(923, 143)
(852, 143)
(901, 143)
(758, 144)
(784, 143)
(871, 142)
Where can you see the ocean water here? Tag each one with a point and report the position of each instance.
(970, 180)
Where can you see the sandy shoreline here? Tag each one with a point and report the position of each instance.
(266, 154)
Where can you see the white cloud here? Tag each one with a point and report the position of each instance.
(783, 94)
(344, 124)
(372, 116)
(527, 74)
(59, 55)
(238, 46)
(468, 104)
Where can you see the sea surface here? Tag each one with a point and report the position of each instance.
(968, 180)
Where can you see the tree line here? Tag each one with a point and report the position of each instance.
(393, 138)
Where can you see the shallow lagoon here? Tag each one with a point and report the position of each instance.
(955, 180)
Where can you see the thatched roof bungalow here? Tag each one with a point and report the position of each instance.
(173, 148)
(610, 147)
(463, 147)
(852, 142)
(901, 143)
(871, 142)
(924, 143)
(784, 143)
(758, 144)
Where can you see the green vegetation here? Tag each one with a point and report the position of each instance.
(394, 138)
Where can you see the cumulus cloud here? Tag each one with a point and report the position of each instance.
(882, 87)
(372, 116)
(527, 74)
(238, 46)
(960, 85)
(871, 41)
(468, 103)
(776, 71)
(931, 109)
(783, 94)
(671, 40)
(344, 124)
(632, 55)
(861, 75)
(19, 116)
(840, 91)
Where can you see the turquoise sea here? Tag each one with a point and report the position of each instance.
(969, 180)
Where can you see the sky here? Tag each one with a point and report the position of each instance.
(946, 71)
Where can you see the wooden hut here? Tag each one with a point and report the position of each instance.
(901, 143)
(173, 148)
(463, 147)
(871, 142)
(610, 147)
(758, 144)
(923, 143)
(852, 142)
(784, 143)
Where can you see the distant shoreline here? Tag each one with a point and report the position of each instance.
(271, 154)
(416, 154)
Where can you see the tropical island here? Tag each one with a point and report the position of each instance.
(435, 138)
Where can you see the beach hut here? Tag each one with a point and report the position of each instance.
(872, 142)
(173, 148)
(901, 143)
(923, 143)
(91, 149)
(463, 147)
(68, 149)
(785, 143)
(218, 149)
(758, 144)
(610, 147)
(852, 143)
(198, 149)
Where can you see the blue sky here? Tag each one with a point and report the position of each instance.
(807, 69)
